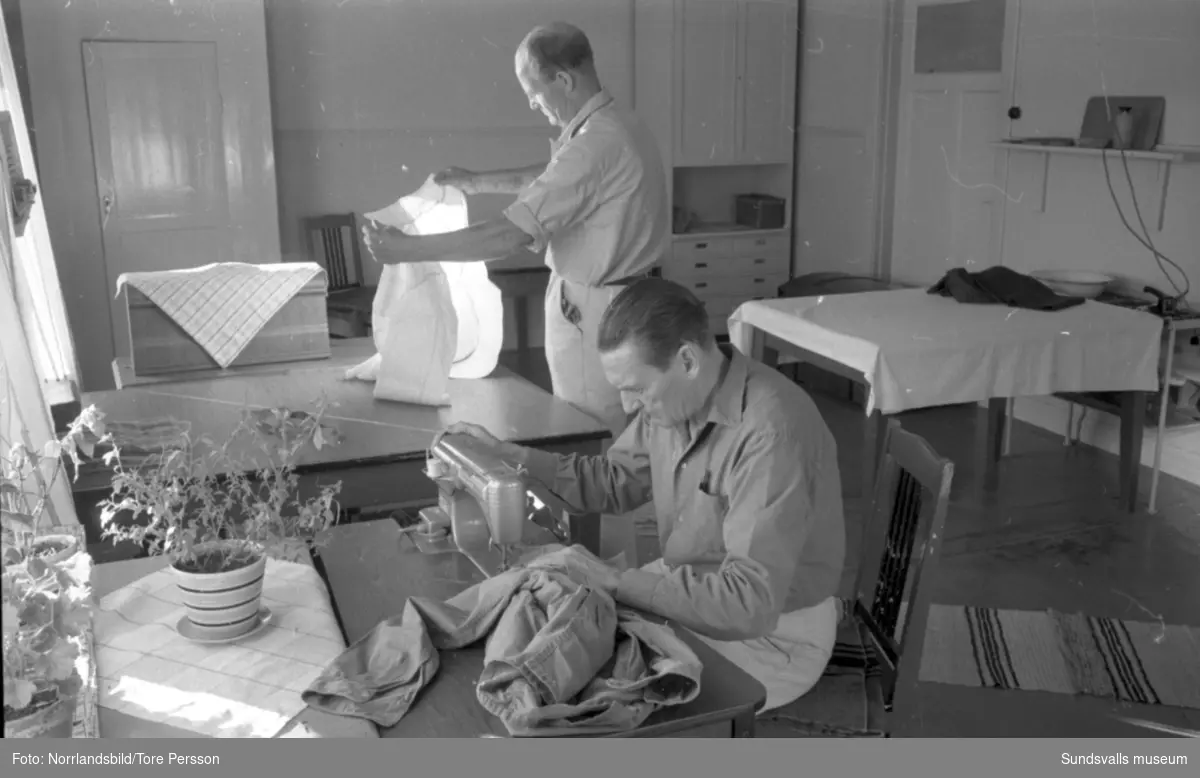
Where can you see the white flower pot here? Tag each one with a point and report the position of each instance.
(224, 605)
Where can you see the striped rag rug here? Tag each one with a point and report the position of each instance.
(1152, 663)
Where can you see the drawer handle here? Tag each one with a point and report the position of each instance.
(760, 280)
(702, 285)
(701, 264)
(701, 245)
(760, 241)
(759, 261)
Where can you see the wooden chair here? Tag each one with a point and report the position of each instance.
(333, 244)
(872, 676)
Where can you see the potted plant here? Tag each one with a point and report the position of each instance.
(47, 608)
(219, 511)
(27, 478)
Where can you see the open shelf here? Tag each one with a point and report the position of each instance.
(1163, 156)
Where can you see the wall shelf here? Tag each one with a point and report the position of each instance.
(1163, 157)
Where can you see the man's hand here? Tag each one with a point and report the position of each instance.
(582, 564)
(457, 177)
(381, 241)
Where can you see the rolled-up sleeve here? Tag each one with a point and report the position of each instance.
(561, 195)
(617, 483)
(768, 521)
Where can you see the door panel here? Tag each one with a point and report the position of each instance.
(768, 85)
(706, 82)
(155, 116)
(949, 179)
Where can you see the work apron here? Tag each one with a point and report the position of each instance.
(573, 312)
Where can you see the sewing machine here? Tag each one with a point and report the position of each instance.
(484, 506)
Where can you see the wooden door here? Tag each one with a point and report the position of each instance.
(768, 37)
(706, 71)
(155, 114)
(955, 88)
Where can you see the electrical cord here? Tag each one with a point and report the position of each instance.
(1147, 242)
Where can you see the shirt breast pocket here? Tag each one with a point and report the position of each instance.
(701, 531)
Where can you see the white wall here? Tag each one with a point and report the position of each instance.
(1070, 50)
(369, 99)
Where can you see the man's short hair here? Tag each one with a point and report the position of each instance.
(557, 47)
(660, 316)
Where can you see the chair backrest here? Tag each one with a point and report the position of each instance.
(903, 535)
(333, 244)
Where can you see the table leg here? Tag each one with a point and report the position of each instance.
(521, 314)
(1133, 409)
(743, 725)
(994, 445)
(1164, 398)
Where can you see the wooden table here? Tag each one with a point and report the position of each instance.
(382, 454)
(114, 724)
(372, 568)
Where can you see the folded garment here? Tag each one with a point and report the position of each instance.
(560, 658)
(1004, 286)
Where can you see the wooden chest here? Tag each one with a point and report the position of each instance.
(298, 331)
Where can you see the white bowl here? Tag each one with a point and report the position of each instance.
(1074, 283)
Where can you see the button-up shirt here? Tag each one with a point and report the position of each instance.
(748, 500)
(600, 208)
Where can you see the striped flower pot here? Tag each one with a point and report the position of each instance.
(53, 721)
(224, 605)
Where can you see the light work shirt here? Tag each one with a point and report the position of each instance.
(600, 208)
(748, 502)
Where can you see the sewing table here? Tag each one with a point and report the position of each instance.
(372, 567)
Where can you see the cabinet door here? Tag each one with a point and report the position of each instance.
(767, 82)
(706, 65)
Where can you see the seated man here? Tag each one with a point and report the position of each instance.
(743, 474)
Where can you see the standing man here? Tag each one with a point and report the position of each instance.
(598, 209)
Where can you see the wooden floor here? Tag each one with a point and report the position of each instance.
(1052, 537)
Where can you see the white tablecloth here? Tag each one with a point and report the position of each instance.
(918, 350)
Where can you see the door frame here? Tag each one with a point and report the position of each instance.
(891, 83)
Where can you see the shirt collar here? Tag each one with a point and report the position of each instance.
(725, 407)
(597, 101)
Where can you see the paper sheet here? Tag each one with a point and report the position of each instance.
(432, 321)
(246, 689)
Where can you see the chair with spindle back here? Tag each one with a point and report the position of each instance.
(871, 681)
(333, 244)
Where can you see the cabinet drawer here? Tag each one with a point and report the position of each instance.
(759, 244)
(743, 286)
(700, 249)
(726, 266)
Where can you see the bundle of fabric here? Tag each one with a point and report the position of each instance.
(1000, 285)
(561, 657)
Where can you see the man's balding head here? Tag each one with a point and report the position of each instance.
(557, 71)
(558, 47)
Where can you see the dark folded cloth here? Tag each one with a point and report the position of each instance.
(1001, 285)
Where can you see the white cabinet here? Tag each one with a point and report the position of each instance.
(724, 271)
(734, 81)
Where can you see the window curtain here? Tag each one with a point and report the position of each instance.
(24, 409)
(33, 273)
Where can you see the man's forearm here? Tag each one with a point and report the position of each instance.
(585, 484)
(506, 181)
(490, 240)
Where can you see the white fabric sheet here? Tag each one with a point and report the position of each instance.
(918, 350)
(431, 321)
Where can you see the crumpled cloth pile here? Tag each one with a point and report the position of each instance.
(560, 656)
